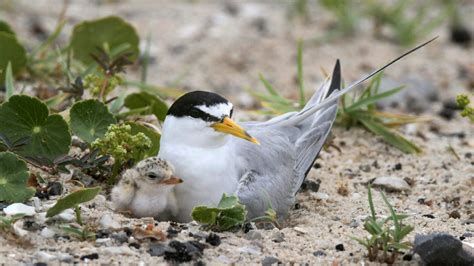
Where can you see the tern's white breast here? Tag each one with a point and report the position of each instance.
(207, 173)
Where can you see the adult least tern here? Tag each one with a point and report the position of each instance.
(146, 190)
(197, 140)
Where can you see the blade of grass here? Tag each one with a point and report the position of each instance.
(267, 85)
(10, 88)
(51, 38)
(396, 222)
(392, 138)
(300, 73)
(373, 99)
(371, 203)
(146, 59)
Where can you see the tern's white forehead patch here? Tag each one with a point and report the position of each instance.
(217, 110)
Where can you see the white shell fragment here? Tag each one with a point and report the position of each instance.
(17, 208)
(391, 183)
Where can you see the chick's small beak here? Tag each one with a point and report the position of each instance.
(173, 180)
(228, 126)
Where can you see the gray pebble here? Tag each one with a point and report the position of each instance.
(269, 260)
(253, 235)
(442, 249)
(391, 183)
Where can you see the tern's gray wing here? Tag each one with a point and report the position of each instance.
(274, 171)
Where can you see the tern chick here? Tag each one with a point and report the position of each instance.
(147, 190)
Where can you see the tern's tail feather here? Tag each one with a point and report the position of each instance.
(317, 129)
(321, 112)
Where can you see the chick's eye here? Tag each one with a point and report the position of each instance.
(152, 175)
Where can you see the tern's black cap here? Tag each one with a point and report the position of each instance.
(186, 105)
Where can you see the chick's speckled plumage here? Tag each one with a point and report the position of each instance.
(142, 192)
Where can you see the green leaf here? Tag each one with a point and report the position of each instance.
(4, 27)
(268, 85)
(392, 138)
(227, 201)
(72, 200)
(13, 179)
(27, 117)
(107, 33)
(10, 89)
(228, 213)
(205, 215)
(393, 215)
(299, 62)
(372, 99)
(90, 120)
(144, 99)
(371, 203)
(152, 134)
(11, 51)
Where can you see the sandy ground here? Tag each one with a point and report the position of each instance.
(206, 46)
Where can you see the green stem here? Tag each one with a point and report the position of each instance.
(132, 112)
(77, 210)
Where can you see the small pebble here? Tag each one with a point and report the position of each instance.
(397, 167)
(17, 208)
(431, 216)
(54, 188)
(253, 235)
(320, 196)
(319, 253)
(354, 224)
(121, 237)
(310, 185)
(250, 250)
(92, 256)
(340, 247)
(134, 245)
(455, 214)
(44, 256)
(391, 183)
(157, 249)
(108, 222)
(213, 239)
(269, 261)
(247, 227)
(47, 233)
(278, 237)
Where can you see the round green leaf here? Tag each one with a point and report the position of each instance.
(10, 51)
(4, 27)
(110, 32)
(144, 99)
(90, 120)
(24, 116)
(13, 177)
(151, 134)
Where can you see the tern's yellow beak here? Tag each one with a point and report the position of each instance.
(173, 180)
(228, 126)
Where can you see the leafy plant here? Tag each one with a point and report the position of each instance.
(386, 234)
(144, 103)
(13, 179)
(80, 232)
(90, 120)
(359, 110)
(72, 201)
(362, 110)
(12, 52)
(6, 223)
(4, 27)
(10, 88)
(229, 213)
(107, 33)
(346, 14)
(27, 117)
(151, 133)
(463, 102)
(405, 28)
(122, 145)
